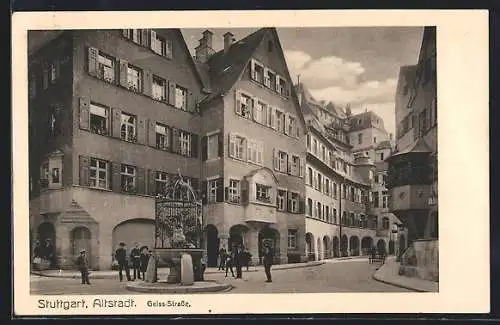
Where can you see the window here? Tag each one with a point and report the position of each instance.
(344, 191)
(291, 126)
(308, 137)
(310, 176)
(270, 79)
(382, 156)
(106, 67)
(135, 35)
(323, 153)
(162, 137)
(282, 159)
(282, 87)
(258, 73)
(375, 200)
(98, 177)
(334, 217)
(293, 202)
(159, 45)
(255, 152)
(184, 143)
(161, 182)
(315, 147)
(351, 197)
(327, 186)
(360, 138)
(262, 193)
(320, 182)
(309, 207)
(370, 174)
(213, 146)
(234, 191)
(384, 199)
(98, 119)
(237, 147)
(55, 175)
(385, 223)
(374, 139)
(319, 215)
(295, 166)
(280, 121)
(128, 178)
(129, 127)
(259, 112)
(214, 187)
(159, 89)
(180, 98)
(335, 190)
(327, 213)
(292, 239)
(243, 108)
(281, 200)
(376, 179)
(270, 117)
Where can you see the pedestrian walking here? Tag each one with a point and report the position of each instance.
(83, 265)
(204, 261)
(135, 257)
(247, 258)
(238, 259)
(152, 268)
(121, 258)
(267, 255)
(222, 258)
(144, 260)
(229, 263)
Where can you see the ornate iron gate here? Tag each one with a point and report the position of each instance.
(178, 220)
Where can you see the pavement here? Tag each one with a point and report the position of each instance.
(327, 276)
(388, 273)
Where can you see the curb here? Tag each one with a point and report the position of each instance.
(211, 286)
(113, 276)
(377, 278)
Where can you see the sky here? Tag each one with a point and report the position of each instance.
(356, 65)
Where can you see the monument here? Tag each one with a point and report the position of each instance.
(178, 234)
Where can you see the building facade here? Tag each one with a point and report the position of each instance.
(115, 115)
(341, 219)
(412, 175)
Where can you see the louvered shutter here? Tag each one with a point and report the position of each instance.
(289, 165)
(232, 145)
(204, 148)
(124, 73)
(116, 122)
(147, 83)
(175, 140)
(152, 40)
(92, 64)
(116, 177)
(84, 170)
(220, 139)
(141, 180)
(145, 37)
(302, 167)
(245, 193)
(194, 145)
(84, 104)
(151, 182)
(169, 50)
(152, 133)
(287, 123)
(237, 100)
(171, 93)
(190, 102)
(142, 130)
(276, 159)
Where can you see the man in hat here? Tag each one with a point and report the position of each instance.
(83, 265)
(121, 258)
(135, 257)
(267, 255)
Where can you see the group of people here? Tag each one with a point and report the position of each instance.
(45, 252)
(138, 259)
(374, 252)
(239, 257)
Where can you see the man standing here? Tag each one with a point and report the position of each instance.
(222, 258)
(267, 255)
(238, 259)
(48, 251)
(121, 258)
(135, 257)
(83, 265)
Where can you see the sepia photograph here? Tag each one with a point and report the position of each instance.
(231, 160)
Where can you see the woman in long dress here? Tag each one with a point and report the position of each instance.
(151, 275)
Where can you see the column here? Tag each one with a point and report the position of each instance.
(64, 249)
(252, 244)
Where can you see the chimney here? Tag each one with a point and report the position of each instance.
(228, 41)
(204, 50)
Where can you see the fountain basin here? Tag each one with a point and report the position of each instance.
(164, 287)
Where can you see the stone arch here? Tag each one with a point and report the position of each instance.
(47, 238)
(326, 247)
(319, 249)
(335, 247)
(136, 230)
(381, 247)
(237, 236)
(310, 246)
(354, 245)
(81, 238)
(366, 245)
(271, 236)
(212, 242)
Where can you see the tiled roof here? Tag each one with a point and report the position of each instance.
(420, 146)
(367, 121)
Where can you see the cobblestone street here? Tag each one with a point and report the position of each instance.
(343, 276)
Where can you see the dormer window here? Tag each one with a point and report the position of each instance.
(270, 79)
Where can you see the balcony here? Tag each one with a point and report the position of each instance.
(255, 212)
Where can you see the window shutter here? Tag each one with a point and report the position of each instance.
(302, 167)
(190, 102)
(237, 100)
(169, 49)
(289, 165)
(84, 170)
(219, 193)
(252, 70)
(141, 180)
(152, 39)
(231, 147)
(175, 140)
(84, 104)
(147, 83)
(171, 93)
(203, 191)
(124, 73)
(92, 64)
(244, 191)
(277, 83)
(151, 182)
(287, 123)
(152, 133)
(116, 122)
(276, 159)
(194, 145)
(302, 205)
(125, 33)
(288, 201)
(254, 102)
(220, 141)
(116, 182)
(142, 130)
(226, 193)
(204, 148)
(145, 37)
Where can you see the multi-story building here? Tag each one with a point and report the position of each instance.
(113, 116)
(116, 114)
(412, 178)
(340, 219)
(254, 130)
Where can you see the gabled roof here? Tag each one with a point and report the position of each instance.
(419, 146)
(225, 68)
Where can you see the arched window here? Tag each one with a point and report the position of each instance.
(385, 223)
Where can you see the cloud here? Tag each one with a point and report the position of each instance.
(322, 72)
